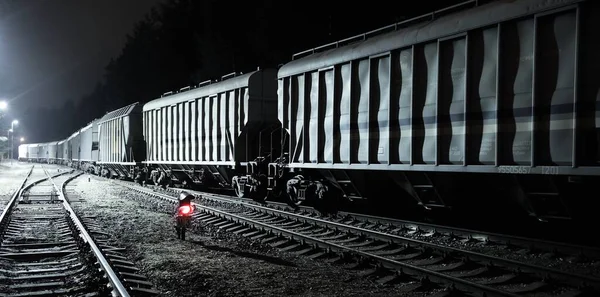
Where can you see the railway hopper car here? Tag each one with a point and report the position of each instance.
(33, 152)
(41, 153)
(22, 152)
(121, 142)
(72, 149)
(47, 152)
(60, 153)
(216, 135)
(52, 152)
(66, 149)
(88, 147)
(460, 111)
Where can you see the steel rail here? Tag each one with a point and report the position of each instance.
(388, 263)
(569, 278)
(542, 272)
(118, 287)
(545, 245)
(15, 195)
(11, 203)
(551, 246)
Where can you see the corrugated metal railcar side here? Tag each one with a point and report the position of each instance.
(60, 150)
(121, 141)
(66, 148)
(214, 126)
(43, 152)
(505, 88)
(89, 143)
(203, 126)
(508, 87)
(120, 136)
(23, 152)
(33, 151)
(75, 146)
(52, 148)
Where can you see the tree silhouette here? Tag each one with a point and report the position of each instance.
(184, 42)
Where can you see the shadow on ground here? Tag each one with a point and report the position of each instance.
(273, 260)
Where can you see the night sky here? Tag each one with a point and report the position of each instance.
(53, 51)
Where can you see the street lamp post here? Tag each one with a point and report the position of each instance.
(12, 137)
(10, 134)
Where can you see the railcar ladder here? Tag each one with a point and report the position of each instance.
(424, 190)
(542, 197)
(347, 187)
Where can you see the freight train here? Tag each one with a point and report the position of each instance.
(477, 106)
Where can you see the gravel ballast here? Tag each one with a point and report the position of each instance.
(11, 176)
(210, 262)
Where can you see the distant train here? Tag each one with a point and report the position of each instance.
(458, 109)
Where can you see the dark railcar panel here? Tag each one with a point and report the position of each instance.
(588, 99)
(134, 137)
(555, 69)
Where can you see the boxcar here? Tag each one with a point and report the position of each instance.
(508, 89)
(121, 141)
(203, 135)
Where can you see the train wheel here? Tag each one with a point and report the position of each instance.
(292, 198)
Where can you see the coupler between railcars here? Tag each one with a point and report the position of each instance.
(254, 183)
(320, 193)
(297, 189)
(251, 186)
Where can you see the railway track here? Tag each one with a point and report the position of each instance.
(509, 246)
(45, 250)
(387, 257)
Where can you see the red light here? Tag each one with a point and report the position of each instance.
(185, 209)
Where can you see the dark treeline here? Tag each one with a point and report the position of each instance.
(184, 42)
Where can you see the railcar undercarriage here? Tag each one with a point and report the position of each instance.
(440, 197)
